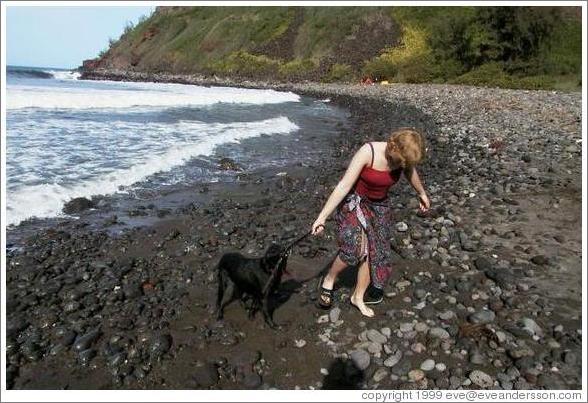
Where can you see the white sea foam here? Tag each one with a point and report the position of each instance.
(64, 74)
(126, 95)
(142, 160)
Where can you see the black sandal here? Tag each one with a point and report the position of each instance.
(325, 299)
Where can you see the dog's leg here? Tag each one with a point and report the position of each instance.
(266, 313)
(235, 294)
(253, 308)
(221, 292)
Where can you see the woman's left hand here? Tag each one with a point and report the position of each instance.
(424, 202)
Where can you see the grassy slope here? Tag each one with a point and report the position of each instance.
(250, 41)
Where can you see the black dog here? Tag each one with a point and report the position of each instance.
(256, 278)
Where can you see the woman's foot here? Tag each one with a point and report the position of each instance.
(359, 304)
(325, 288)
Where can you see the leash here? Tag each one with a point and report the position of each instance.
(283, 255)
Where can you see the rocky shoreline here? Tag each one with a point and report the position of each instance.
(486, 292)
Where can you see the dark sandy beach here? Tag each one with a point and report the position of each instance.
(486, 291)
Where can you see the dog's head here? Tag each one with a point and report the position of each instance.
(272, 257)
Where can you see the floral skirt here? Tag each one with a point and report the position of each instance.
(356, 215)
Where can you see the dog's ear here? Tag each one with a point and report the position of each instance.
(273, 250)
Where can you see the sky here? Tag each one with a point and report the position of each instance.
(64, 36)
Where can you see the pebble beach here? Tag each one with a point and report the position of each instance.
(486, 291)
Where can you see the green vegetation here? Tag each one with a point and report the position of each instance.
(520, 47)
(297, 69)
(244, 64)
(510, 47)
(339, 72)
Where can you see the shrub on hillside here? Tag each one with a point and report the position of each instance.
(412, 61)
(494, 75)
(244, 64)
(339, 72)
(297, 69)
(488, 75)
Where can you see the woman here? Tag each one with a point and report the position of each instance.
(363, 213)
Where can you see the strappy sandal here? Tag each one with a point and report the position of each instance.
(325, 299)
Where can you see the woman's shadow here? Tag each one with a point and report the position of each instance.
(343, 374)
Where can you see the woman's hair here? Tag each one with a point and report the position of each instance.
(408, 144)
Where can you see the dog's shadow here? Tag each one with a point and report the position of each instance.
(347, 279)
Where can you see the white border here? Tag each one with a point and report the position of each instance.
(247, 395)
(418, 3)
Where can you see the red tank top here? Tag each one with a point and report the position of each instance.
(373, 183)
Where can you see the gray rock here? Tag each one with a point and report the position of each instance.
(380, 374)
(428, 365)
(84, 342)
(482, 316)
(463, 286)
(416, 375)
(86, 356)
(531, 327)
(540, 260)
(393, 359)
(375, 336)
(477, 358)
(569, 358)
(481, 379)
(160, 344)
(446, 315)
(419, 293)
(323, 319)
(360, 358)
(334, 314)
(401, 368)
(521, 351)
(483, 263)
(439, 333)
(512, 373)
(525, 363)
(455, 381)
(401, 226)
(374, 348)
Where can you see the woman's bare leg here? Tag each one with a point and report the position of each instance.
(336, 267)
(363, 281)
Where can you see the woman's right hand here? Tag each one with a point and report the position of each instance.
(318, 226)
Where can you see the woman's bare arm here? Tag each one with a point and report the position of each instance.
(360, 159)
(414, 179)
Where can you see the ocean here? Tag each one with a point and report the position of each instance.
(69, 138)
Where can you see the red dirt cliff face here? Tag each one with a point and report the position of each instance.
(91, 64)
